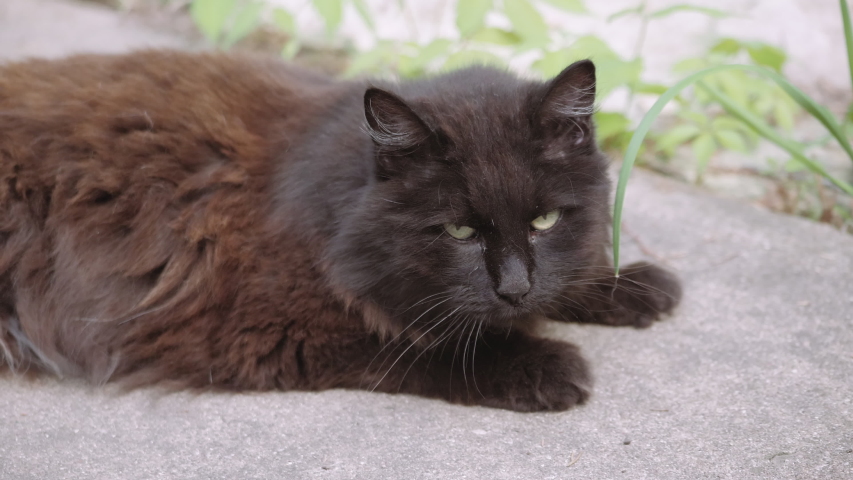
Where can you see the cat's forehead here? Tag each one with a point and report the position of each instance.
(475, 105)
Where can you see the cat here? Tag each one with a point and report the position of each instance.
(235, 222)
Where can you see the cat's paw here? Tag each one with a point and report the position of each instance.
(538, 375)
(643, 293)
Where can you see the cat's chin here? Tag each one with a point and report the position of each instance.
(504, 317)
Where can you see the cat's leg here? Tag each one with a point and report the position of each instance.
(637, 297)
(514, 371)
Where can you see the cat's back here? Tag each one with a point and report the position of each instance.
(92, 103)
(90, 128)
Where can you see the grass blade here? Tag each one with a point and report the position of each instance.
(820, 112)
(848, 35)
(766, 131)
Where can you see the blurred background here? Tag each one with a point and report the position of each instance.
(641, 49)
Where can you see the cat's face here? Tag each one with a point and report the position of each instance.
(489, 199)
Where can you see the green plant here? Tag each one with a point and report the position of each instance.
(225, 22)
(706, 127)
(730, 108)
(743, 114)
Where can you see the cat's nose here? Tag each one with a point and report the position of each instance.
(514, 283)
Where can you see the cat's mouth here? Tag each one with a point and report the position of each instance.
(506, 313)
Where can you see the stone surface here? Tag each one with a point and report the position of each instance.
(751, 378)
(55, 28)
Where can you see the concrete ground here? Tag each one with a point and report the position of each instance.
(751, 378)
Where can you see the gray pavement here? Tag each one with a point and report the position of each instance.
(751, 378)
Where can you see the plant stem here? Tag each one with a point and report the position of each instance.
(848, 35)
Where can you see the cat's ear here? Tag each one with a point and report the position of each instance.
(392, 124)
(569, 103)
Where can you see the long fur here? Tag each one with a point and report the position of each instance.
(210, 220)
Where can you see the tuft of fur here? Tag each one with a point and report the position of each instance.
(235, 222)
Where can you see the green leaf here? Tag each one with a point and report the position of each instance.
(726, 122)
(591, 46)
(649, 88)
(210, 16)
(818, 111)
(370, 60)
(703, 148)
(731, 139)
(610, 124)
(470, 15)
(573, 6)
(496, 36)
(711, 12)
(783, 114)
(613, 73)
(727, 46)
(332, 12)
(767, 55)
(793, 166)
(625, 12)
(676, 136)
(795, 149)
(284, 20)
(472, 57)
(734, 85)
(417, 64)
(364, 13)
(434, 49)
(244, 23)
(698, 118)
(290, 49)
(527, 22)
(690, 65)
(611, 70)
(553, 62)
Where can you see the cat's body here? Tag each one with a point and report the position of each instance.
(212, 220)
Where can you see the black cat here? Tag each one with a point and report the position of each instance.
(208, 220)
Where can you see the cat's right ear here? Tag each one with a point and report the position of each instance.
(393, 126)
(567, 107)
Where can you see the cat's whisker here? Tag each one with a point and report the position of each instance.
(412, 344)
(440, 301)
(420, 353)
(441, 340)
(419, 302)
(465, 356)
(474, 358)
(453, 332)
(456, 351)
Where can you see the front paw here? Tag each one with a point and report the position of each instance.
(533, 374)
(643, 292)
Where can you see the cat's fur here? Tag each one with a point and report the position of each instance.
(208, 220)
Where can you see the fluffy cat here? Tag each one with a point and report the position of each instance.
(210, 220)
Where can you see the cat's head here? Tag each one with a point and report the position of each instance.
(490, 196)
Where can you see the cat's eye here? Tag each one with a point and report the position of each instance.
(460, 232)
(544, 222)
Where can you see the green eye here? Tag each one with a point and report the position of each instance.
(544, 222)
(460, 232)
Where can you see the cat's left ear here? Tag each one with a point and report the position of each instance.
(393, 125)
(569, 103)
